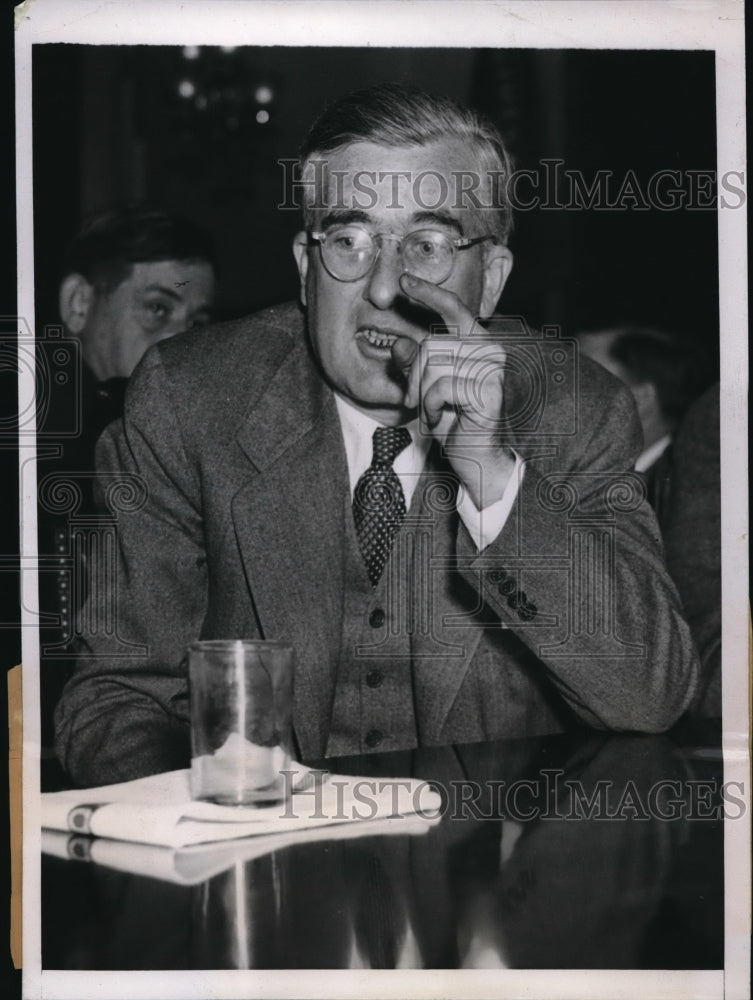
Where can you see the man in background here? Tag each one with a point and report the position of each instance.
(131, 277)
(665, 375)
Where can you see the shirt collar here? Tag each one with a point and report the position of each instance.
(647, 458)
(358, 431)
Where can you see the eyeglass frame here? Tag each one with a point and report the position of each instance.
(457, 242)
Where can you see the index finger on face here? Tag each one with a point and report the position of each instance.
(404, 352)
(440, 300)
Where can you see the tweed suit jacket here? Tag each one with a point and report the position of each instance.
(239, 528)
(694, 543)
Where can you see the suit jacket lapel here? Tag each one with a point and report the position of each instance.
(290, 528)
(288, 520)
(444, 644)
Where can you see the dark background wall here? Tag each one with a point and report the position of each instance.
(110, 125)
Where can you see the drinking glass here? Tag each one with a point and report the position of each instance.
(241, 698)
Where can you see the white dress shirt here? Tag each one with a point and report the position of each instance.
(358, 432)
(647, 458)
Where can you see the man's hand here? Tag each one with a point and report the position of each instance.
(457, 384)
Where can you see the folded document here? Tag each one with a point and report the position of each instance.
(196, 863)
(159, 809)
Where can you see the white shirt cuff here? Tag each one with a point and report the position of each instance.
(485, 525)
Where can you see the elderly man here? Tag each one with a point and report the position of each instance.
(435, 512)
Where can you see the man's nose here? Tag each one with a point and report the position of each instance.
(182, 321)
(384, 279)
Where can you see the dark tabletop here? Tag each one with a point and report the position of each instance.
(578, 851)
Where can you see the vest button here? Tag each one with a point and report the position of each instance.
(374, 737)
(376, 618)
(374, 678)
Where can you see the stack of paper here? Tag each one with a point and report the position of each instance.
(159, 809)
(199, 862)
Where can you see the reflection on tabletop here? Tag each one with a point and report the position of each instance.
(516, 874)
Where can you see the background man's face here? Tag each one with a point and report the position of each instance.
(353, 324)
(157, 300)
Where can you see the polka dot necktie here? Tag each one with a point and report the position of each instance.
(378, 500)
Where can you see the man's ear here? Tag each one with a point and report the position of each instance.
(301, 254)
(75, 301)
(497, 267)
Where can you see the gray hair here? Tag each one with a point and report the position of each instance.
(395, 115)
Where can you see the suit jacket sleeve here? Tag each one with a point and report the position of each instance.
(578, 573)
(693, 540)
(124, 713)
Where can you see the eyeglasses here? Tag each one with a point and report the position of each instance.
(349, 252)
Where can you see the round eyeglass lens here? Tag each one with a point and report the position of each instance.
(348, 252)
(428, 255)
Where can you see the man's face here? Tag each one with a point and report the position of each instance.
(157, 300)
(352, 325)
